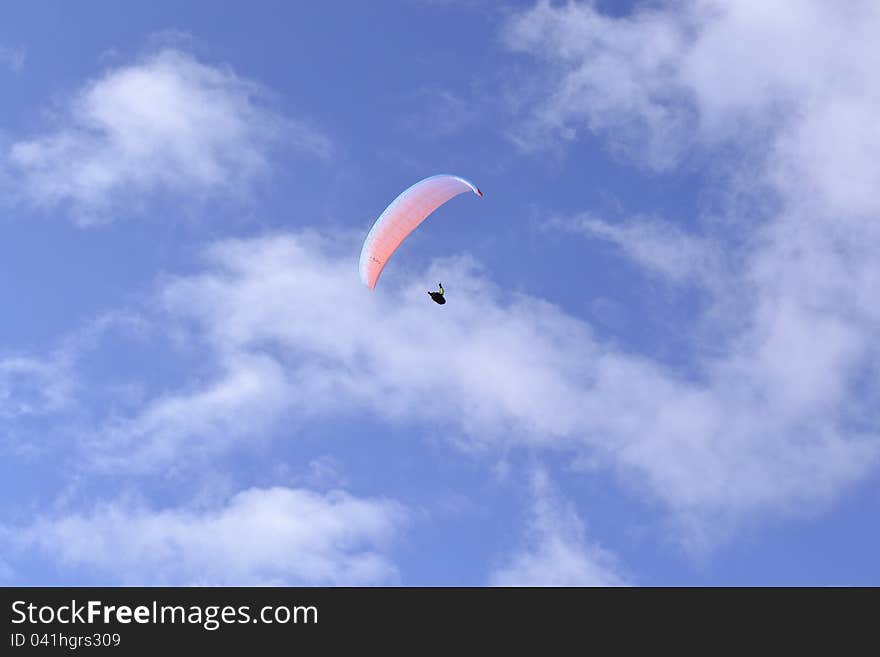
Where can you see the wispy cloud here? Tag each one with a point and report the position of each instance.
(442, 112)
(14, 58)
(167, 124)
(556, 551)
(244, 402)
(42, 384)
(652, 243)
(269, 536)
(30, 386)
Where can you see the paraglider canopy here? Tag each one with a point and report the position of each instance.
(403, 216)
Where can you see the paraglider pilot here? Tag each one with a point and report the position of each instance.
(438, 296)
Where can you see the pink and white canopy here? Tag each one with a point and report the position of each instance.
(403, 216)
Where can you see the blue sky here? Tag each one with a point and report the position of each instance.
(659, 360)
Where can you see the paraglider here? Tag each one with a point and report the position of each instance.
(438, 296)
(402, 217)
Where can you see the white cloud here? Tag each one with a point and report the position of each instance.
(556, 552)
(796, 86)
(167, 124)
(283, 313)
(604, 75)
(274, 536)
